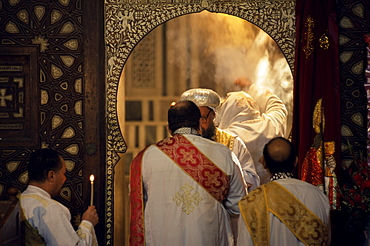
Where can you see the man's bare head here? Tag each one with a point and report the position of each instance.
(279, 155)
(183, 114)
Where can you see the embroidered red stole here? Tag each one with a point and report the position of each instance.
(191, 161)
(136, 202)
(196, 165)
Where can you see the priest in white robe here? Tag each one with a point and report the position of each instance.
(184, 189)
(208, 101)
(240, 114)
(285, 211)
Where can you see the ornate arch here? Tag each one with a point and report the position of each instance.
(128, 21)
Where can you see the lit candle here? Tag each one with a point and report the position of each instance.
(92, 189)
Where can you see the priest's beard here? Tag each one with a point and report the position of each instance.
(210, 132)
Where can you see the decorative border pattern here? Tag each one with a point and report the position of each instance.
(353, 25)
(127, 22)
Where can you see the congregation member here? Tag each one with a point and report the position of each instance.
(241, 115)
(185, 188)
(208, 101)
(44, 220)
(284, 211)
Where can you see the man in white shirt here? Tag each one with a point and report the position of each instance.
(185, 188)
(284, 211)
(44, 220)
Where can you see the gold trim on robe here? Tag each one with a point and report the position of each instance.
(225, 138)
(304, 224)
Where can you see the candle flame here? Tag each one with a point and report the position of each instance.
(92, 178)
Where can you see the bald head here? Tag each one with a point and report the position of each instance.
(279, 155)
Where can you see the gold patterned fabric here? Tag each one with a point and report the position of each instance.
(304, 224)
(225, 138)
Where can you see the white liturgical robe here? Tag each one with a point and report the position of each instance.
(52, 220)
(245, 159)
(240, 114)
(310, 196)
(177, 209)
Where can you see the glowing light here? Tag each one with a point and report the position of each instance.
(92, 189)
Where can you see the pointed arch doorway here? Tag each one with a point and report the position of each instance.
(145, 72)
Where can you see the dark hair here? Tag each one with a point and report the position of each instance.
(280, 155)
(41, 162)
(183, 114)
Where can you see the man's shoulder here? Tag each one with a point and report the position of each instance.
(35, 196)
(229, 139)
(225, 132)
(225, 137)
(296, 186)
(293, 181)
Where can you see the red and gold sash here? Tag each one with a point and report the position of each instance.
(196, 165)
(191, 161)
(136, 202)
(304, 224)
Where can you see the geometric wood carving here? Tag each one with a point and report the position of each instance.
(42, 90)
(18, 97)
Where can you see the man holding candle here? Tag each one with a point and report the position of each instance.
(185, 188)
(44, 220)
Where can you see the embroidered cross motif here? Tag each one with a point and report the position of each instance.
(187, 198)
(188, 156)
(211, 178)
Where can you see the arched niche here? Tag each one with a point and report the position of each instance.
(128, 22)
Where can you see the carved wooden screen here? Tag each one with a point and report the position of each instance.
(42, 91)
(127, 22)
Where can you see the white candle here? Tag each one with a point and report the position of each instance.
(92, 189)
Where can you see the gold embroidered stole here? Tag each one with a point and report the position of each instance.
(273, 197)
(225, 138)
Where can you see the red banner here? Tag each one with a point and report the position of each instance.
(317, 108)
(316, 75)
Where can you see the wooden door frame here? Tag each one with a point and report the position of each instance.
(95, 124)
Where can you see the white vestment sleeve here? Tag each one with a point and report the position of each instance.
(246, 163)
(237, 190)
(86, 233)
(59, 231)
(271, 107)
